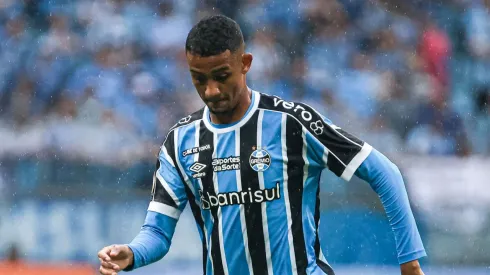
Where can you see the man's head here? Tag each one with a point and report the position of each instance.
(217, 62)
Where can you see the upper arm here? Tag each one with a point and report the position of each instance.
(334, 148)
(377, 167)
(168, 193)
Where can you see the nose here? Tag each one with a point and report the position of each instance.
(212, 91)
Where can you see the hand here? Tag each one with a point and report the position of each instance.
(411, 268)
(114, 258)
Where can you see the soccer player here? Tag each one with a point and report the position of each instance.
(249, 166)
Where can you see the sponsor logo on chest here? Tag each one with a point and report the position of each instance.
(195, 150)
(226, 164)
(240, 197)
(259, 161)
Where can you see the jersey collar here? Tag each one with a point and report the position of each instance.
(223, 128)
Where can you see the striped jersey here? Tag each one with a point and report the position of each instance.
(253, 186)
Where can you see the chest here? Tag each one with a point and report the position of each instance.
(236, 160)
(225, 167)
(255, 163)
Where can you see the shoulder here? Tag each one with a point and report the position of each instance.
(182, 122)
(189, 119)
(299, 111)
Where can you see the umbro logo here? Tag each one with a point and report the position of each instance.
(197, 167)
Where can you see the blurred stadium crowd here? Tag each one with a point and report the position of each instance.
(99, 83)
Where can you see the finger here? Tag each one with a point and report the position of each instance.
(104, 254)
(114, 251)
(110, 265)
(106, 271)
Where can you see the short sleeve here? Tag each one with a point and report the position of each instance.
(337, 150)
(168, 193)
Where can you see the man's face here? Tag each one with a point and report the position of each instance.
(219, 79)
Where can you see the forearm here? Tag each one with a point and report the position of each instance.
(411, 268)
(386, 180)
(153, 241)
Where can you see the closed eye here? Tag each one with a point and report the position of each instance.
(222, 77)
(200, 79)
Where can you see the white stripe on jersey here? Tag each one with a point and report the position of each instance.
(286, 193)
(304, 151)
(327, 151)
(220, 217)
(164, 209)
(305, 159)
(263, 206)
(242, 209)
(321, 256)
(325, 157)
(356, 162)
(167, 188)
(167, 156)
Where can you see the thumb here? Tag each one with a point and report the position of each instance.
(115, 251)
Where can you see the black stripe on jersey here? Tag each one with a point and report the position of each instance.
(317, 219)
(205, 157)
(341, 144)
(337, 143)
(322, 265)
(160, 194)
(325, 267)
(169, 145)
(253, 211)
(296, 163)
(196, 210)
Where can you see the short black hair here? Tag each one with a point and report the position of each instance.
(214, 35)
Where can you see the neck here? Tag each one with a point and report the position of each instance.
(236, 113)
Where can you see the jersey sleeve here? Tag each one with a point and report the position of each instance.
(168, 193)
(334, 148)
(385, 179)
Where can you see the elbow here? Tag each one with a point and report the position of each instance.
(389, 179)
(158, 234)
(390, 171)
(395, 171)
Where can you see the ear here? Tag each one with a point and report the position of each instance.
(246, 62)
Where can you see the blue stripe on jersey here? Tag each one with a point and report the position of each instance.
(310, 187)
(315, 151)
(187, 137)
(231, 225)
(172, 180)
(276, 210)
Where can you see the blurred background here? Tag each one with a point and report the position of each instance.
(89, 88)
